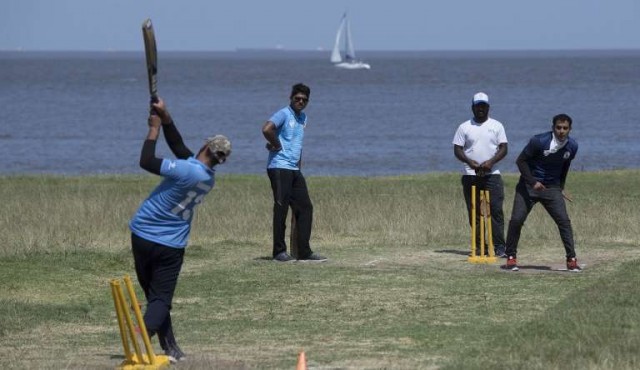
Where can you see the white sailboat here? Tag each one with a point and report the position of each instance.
(349, 60)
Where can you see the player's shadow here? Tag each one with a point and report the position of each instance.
(454, 251)
(522, 267)
(263, 258)
(534, 267)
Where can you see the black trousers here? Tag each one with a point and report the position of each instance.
(157, 267)
(553, 201)
(494, 184)
(290, 189)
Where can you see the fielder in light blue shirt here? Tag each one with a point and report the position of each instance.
(284, 132)
(290, 128)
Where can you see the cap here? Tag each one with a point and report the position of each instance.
(480, 98)
(219, 143)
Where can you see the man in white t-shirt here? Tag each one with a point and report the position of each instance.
(480, 143)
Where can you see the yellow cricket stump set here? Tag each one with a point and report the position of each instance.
(135, 359)
(485, 219)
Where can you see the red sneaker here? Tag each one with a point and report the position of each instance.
(572, 265)
(512, 264)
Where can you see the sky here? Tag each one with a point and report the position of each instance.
(218, 25)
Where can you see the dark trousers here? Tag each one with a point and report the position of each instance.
(553, 201)
(494, 184)
(157, 267)
(290, 189)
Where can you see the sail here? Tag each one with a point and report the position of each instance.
(335, 54)
(349, 51)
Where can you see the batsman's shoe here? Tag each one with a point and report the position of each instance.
(512, 264)
(283, 257)
(572, 265)
(500, 251)
(174, 353)
(313, 257)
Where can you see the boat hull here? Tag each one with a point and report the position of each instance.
(353, 65)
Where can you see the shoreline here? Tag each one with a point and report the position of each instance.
(232, 174)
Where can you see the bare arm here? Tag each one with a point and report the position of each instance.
(271, 134)
(458, 151)
(486, 166)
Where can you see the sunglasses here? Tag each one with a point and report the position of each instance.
(221, 157)
(300, 99)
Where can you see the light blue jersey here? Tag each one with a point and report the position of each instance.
(290, 131)
(165, 216)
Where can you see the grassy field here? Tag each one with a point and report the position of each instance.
(397, 292)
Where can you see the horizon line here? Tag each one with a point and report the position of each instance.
(320, 51)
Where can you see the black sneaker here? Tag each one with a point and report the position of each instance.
(174, 353)
(314, 257)
(500, 251)
(283, 257)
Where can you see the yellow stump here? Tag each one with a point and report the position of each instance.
(135, 359)
(120, 315)
(485, 219)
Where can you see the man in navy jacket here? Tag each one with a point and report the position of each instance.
(544, 165)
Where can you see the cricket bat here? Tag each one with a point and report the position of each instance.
(151, 54)
(567, 196)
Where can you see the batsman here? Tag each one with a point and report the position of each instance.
(480, 143)
(161, 226)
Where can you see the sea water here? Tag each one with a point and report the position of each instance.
(85, 113)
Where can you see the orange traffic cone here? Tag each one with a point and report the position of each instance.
(302, 361)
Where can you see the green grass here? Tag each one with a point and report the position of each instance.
(396, 293)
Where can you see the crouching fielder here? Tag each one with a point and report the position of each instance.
(544, 165)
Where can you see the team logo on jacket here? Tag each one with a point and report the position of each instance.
(566, 155)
